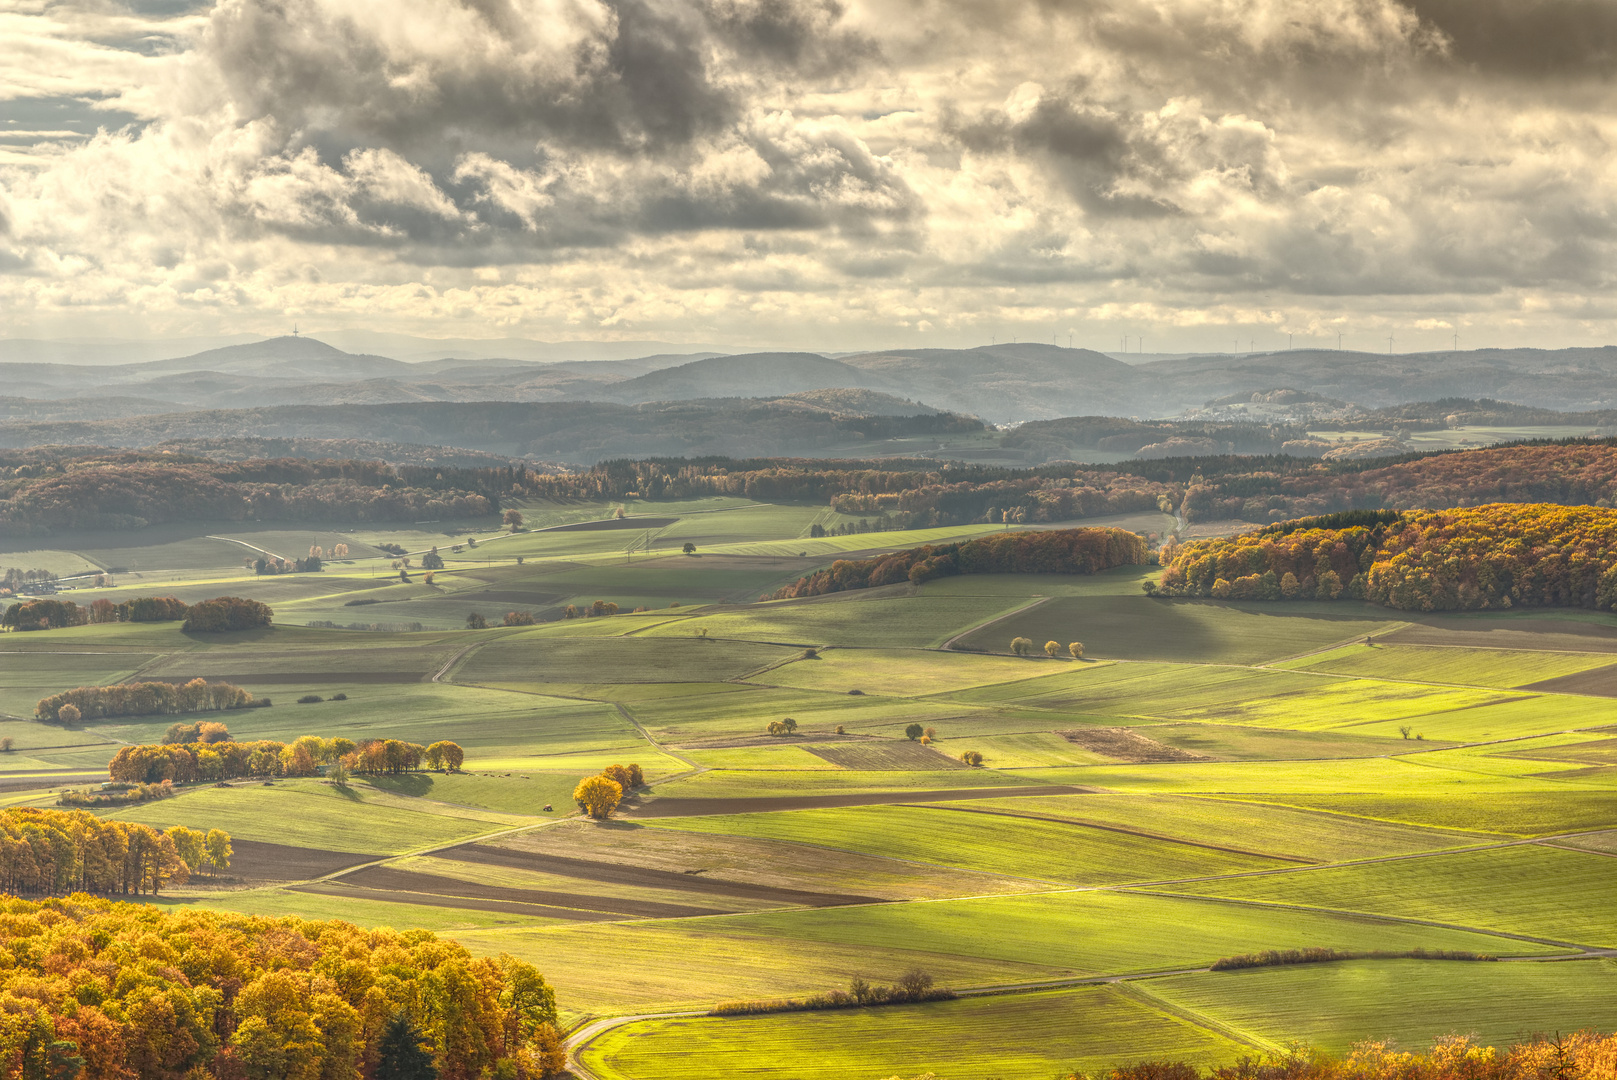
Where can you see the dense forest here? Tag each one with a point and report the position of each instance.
(105, 990)
(1055, 551)
(1498, 556)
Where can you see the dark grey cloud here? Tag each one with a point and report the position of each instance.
(1555, 39)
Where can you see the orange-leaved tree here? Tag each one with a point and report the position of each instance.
(598, 796)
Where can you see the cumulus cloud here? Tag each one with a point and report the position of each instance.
(840, 172)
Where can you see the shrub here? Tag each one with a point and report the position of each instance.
(972, 758)
(310, 699)
(339, 697)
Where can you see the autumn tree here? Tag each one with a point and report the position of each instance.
(598, 796)
(1075, 649)
(972, 758)
(512, 520)
(1021, 646)
(69, 715)
(618, 775)
(1052, 649)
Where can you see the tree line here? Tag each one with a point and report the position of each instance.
(1053, 551)
(1499, 556)
(202, 760)
(105, 990)
(58, 852)
(221, 614)
(141, 699)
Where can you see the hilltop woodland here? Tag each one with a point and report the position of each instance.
(212, 757)
(103, 990)
(1054, 551)
(1498, 556)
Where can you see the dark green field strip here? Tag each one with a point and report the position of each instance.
(679, 806)
(1141, 628)
(1548, 632)
(1044, 850)
(634, 659)
(1025, 1037)
(392, 879)
(1410, 1003)
(1526, 889)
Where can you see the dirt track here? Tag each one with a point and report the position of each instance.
(619, 874)
(670, 807)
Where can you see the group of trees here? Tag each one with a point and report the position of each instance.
(1023, 646)
(222, 613)
(105, 990)
(226, 613)
(597, 796)
(273, 564)
(212, 758)
(58, 852)
(913, 985)
(1499, 556)
(1054, 551)
(140, 699)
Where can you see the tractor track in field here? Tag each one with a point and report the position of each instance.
(949, 646)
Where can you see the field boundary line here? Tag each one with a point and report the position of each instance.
(1143, 995)
(949, 644)
(438, 676)
(1397, 626)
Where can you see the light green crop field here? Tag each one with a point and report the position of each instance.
(1528, 889)
(1212, 779)
(1505, 668)
(1029, 1037)
(1408, 1002)
(964, 836)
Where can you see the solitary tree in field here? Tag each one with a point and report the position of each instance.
(7, 744)
(400, 1053)
(513, 520)
(432, 560)
(474, 621)
(597, 796)
(789, 724)
(1052, 649)
(1076, 648)
(915, 731)
(1021, 646)
(930, 733)
(689, 548)
(972, 758)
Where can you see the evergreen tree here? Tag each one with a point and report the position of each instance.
(401, 1055)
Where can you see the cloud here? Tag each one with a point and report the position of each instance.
(780, 167)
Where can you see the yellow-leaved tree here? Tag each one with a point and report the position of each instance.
(598, 796)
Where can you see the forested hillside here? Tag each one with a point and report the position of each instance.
(1502, 555)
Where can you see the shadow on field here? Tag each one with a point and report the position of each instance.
(414, 784)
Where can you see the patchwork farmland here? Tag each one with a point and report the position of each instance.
(1211, 779)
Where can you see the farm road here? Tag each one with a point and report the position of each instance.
(667, 807)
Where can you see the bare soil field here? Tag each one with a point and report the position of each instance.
(386, 878)
(642, 877)
(666, 807)
(886, 755)
(1549, 634)
(1599, 682)
(1126, 744)
(255, 860)
(337, 888)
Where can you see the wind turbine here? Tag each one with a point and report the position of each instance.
(1389, 344)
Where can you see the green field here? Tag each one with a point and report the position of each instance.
(1211, 779)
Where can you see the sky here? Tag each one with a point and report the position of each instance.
(1176, 175)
